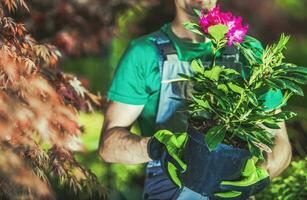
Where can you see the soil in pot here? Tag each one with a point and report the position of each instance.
(206, 169)
(202, 125)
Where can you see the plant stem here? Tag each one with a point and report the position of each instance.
(214, 58)
(238, 105)
(218, 114)
(215, 48)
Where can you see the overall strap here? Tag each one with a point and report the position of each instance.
(170, 91)
(164, 47)
(230, 54)
(230, 58)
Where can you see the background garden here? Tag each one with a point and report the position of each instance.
(91, 36)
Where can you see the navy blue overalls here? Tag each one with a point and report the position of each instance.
(170, 116)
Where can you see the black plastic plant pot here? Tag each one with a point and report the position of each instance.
(207, 169)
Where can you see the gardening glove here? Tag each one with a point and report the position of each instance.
(166, 147)
(253, 180)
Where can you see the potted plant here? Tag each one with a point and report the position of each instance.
(229, 119)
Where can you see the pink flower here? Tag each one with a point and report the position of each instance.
(236, 34)
(236, 31)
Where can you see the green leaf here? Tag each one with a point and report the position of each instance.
(262, 147)
(287, 96)
(285, 115)
(249, 53)
(299, 69)
(200, 102)
(298, 78)
(214, 136)
(264, 136)
(252, 98)
(255, 74)
(214, 73)
(223, 87)
(272, 55)
(197, 12)
(259, 116)
(245, 114)
(235, 88)
(271, 126)
(216, 92)
(218, 31)
(290, 69)
(193, 27)
(293, 87)
(196, 67)
(222, 103)
(271, 84)
(185, 76)
(255, 151)
(271, 120)
(228, 71)
(279, 82)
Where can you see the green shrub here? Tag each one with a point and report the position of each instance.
(291, 185)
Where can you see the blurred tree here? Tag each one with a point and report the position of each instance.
(87, 27)
(84, 30)
(78, 27)
(38, 116)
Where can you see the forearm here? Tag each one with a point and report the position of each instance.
(281, 155)
(121, 146)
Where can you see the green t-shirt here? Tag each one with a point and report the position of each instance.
(137, 79)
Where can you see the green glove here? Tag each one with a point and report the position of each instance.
(166, 147)
(253, 180)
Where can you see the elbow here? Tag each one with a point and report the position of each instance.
(104, 153)
(103, 148)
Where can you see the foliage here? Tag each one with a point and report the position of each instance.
(90, 72)
(104, 23)
(294, 7)
(290, 186)
(77, 27)
(38, 112)
(234, 102)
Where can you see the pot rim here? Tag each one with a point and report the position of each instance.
(199, 138)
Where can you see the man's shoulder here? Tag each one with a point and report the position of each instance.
(143, 49)
(145, 41)
(148, 41)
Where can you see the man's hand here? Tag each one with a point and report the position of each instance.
(253, 180)
(166, 147)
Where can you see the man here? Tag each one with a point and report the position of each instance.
(136, 93)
